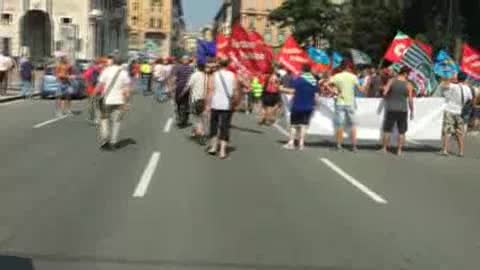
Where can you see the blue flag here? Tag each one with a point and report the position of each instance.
(319, 56)
(205, 50)
(445, 67)
(337, 59)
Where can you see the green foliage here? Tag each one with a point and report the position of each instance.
(309, 19)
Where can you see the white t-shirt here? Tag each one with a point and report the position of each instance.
(198, 85)
(6, 63)
(223, 91)
(115, 97)
(453, 97)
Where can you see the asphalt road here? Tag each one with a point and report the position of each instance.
(66, 205)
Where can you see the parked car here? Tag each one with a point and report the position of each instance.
(50, 84)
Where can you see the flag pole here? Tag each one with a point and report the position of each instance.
(381, 63)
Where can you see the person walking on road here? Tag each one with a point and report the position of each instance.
(398, 92)
(91, 77)
(6, 65)
(114, 86)
(304, 89)
(223, 98)
(27, 78)
(181, 75)
(64, 72)
(198, 85)
(146, 71)
(456, 96)
(160, 77)
(271, 100)
(344, 85)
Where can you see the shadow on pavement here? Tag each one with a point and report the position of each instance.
(247, 130)
(126, 142)
(15, 263)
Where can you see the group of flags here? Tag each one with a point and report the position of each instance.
(252, 57)
(405, 51)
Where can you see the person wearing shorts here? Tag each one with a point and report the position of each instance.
(396, 93)
(271, 100)
(456, 96)
(343, 85)
(304, 88)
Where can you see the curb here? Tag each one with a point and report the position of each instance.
(12, 98)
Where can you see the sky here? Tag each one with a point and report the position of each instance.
(198, 13)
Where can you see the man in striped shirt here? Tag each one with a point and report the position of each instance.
(181, 74)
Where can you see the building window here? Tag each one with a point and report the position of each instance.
(152, 23)
(135, 6)
(281, 37)
(66, 20)
(6, 18)
(134, 20)
(251, 23)
(268, 36)
(159, 23)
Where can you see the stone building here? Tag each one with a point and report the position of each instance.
(158, 22)
(253, 15)
(42, 27)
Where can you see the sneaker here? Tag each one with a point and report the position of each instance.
(289, 146)
(339, 148)
(355, 149)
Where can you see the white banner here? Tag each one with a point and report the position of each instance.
(369, 115)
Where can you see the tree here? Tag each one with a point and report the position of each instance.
(374, 26)
(309, 19)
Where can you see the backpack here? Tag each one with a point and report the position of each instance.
(467, 109)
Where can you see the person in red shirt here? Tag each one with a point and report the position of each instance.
(91, 76)
(271, 100)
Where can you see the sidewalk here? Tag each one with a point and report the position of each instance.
(15, 95)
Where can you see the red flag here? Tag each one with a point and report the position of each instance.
(425, 47)
(263, 54)
(398, 48)
(223, 45)
(240, 49)
(293, 57)
(471, 62)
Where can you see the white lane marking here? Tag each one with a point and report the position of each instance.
(11, 103)
(168, 125)
(374, 196)
(147, 175)
(50, 121)
(281, 130)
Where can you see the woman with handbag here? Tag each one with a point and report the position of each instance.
(197, 85)
(223, 99)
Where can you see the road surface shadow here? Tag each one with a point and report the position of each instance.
(126, 142)
(16, 263)
(247, 130)
(367, 146)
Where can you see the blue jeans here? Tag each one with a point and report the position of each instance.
(160, 89)
(27, 88)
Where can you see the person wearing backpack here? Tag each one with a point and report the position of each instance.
(114, 92)
(456, 95)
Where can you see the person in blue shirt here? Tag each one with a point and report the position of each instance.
(26, 76)
(304, 89)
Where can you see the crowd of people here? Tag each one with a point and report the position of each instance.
(210, 93)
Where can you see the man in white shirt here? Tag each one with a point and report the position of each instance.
(456, 96)
(6, 65)
(115, 85)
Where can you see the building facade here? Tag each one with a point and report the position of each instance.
(40, 28)
(158, 23)
(253, 16)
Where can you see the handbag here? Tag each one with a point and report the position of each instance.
(199, 105)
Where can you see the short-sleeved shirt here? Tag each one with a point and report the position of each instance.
(115, 96)
(26, 71)
(224, 83)
(6, 63)
(346, 82)
(182, 74)
(304, 97)
(63, 71)
(453, 97)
